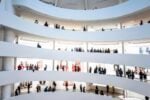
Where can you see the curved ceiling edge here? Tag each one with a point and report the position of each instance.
(59, 95)
(8, 77)
(32, 52)
(120, 10)
(18, 24)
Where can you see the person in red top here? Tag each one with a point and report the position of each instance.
(20, 66)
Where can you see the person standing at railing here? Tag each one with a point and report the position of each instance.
(81, 88)
(141, 22)
(146, 98)
(96, 90)
(36, 21)
(84, 89)
(74, 87)
(28, 87)
(45, 68)
(107, 89)
(90, 70)
(46, 24)
(66, 85)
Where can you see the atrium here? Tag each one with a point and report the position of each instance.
(75, 49)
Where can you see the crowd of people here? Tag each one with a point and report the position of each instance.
(32, 67)
(98, 70)
(131, 73)
(75, 68)
(101, 92)
(92, 50)
(28, 86)
(52, 88)
(62, 67)
(102, 50)
(23, 85)
(84, 28)
(119, 71)
(78, 49)
(142, 74)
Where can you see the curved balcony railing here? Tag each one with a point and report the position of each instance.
(19, 25)
(21, 51)
(60, 96)
(9, 77)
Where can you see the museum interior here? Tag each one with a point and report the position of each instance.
(75, 49)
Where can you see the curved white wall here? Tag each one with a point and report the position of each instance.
(14, 22)
(8, 77)
(13, 50)
(19, 25)
(121, 10)
(60, 96)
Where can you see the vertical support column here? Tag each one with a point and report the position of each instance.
(1, 60)
(88, 85)
(124, 67)
(120, 25)
(56, 2)
(2, 4)
(15, 59)
(8, 64)
(85, 4)
(8, 6)
(87, 52)
(53, 59)
(1, 33)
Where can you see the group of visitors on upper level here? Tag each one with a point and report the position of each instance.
(78, 49)
(84, 28)
(98, 70)
(131, 73)
(32, 67)
(142, 74)
(75, 68)
(46, 24)
(119, 71)
(102, 50)
(61, 67)
(93, 50)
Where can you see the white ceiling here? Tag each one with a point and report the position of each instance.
(83, 4)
